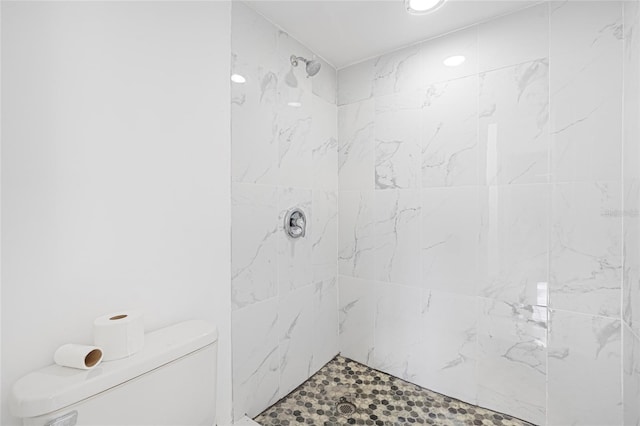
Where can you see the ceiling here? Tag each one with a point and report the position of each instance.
(344, 32)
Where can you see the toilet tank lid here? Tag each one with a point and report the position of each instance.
(55, 387)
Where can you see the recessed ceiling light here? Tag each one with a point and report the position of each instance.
(454, 61)
(420, 7)
(294, 104)
(237, 78)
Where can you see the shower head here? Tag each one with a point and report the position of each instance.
(312, 65)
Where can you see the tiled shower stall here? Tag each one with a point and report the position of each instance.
(284, 292)
(473, 230)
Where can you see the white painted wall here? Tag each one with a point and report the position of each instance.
(115, 173)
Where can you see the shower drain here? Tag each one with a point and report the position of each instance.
(345, 408)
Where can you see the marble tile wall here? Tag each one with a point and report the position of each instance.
(631, 214)
(487, 235)
(284, 292)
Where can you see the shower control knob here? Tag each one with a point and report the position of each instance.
(295, 223)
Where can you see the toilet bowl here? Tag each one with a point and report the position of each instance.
(170, 382)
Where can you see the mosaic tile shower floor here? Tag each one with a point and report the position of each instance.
(328, 398)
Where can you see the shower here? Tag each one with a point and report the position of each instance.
(312, 66)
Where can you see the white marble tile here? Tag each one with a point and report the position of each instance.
(513, 128)
(325, 83)
(324, 145)
(397, 236)
(450, 237)
(326, 343)
(459, 43)
(271, 139)
(584, 380)
(356, 234)
(631, 73)
(295, 143)
(295, 263)
(324, 238)
(631, 171)
(355, 82)
(512, 351)
(397, 141)
(356, 309)
(586, 90)
(296, 337)
(449, 138)
(290, 76)
(260, 138)
(398, 71)
(275, 344)
(294, 123)
(513, 39)
(631, 253)
(253, 243)
(256, 360)
(631, 377)
(254, 39)
(446, 360)
(254, 48)
(586, 244)
(514, 246)
(397, 328)
(356, 146)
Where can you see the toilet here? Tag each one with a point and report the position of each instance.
(170, 382)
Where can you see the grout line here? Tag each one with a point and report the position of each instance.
(549, 215)
(622, 221)
(632, 331)
(582, 314)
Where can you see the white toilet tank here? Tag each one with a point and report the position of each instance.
(170, 382)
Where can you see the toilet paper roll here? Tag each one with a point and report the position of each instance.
(78, 356)
(119, 335)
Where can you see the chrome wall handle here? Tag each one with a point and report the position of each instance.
(295, 223)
